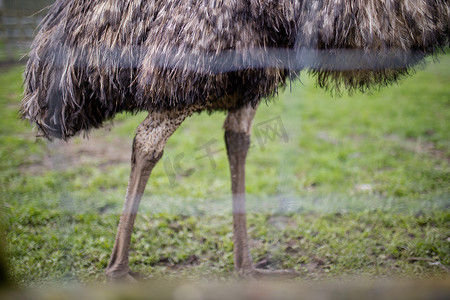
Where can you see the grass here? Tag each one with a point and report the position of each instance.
(349, 186)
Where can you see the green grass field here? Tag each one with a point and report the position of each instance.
(347, 186)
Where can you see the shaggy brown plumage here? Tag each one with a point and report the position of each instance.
(94, 58)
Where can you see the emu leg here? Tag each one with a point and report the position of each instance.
(141, 167)
(237, 139)
(238, 126)
(148, 145)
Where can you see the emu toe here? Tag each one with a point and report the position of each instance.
(130, 276)
(257, 273)
(274, 274)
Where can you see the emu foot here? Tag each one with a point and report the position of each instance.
(130, 276)
(274, 274)
(258, 273)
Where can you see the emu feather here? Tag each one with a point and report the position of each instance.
(93, 59)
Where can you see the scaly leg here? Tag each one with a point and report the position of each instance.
(148, 145)
(237, 127)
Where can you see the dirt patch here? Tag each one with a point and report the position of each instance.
(99, 150)
(419, 146)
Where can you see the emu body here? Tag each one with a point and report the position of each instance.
(93, 59)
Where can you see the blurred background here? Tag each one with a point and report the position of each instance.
(349, 186)
(18, 23)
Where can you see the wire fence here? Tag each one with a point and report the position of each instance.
(18, 22)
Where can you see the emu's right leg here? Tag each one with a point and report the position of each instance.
(148, 145)
(238, 126)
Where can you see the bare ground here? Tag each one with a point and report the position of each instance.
(100, 149)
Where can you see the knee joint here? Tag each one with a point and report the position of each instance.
(146, 153)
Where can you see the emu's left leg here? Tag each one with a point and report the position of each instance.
(151, 137)
(237, 127)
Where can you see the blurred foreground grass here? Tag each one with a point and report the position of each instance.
(337, 187)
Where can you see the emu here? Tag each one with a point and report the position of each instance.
(93, 59)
